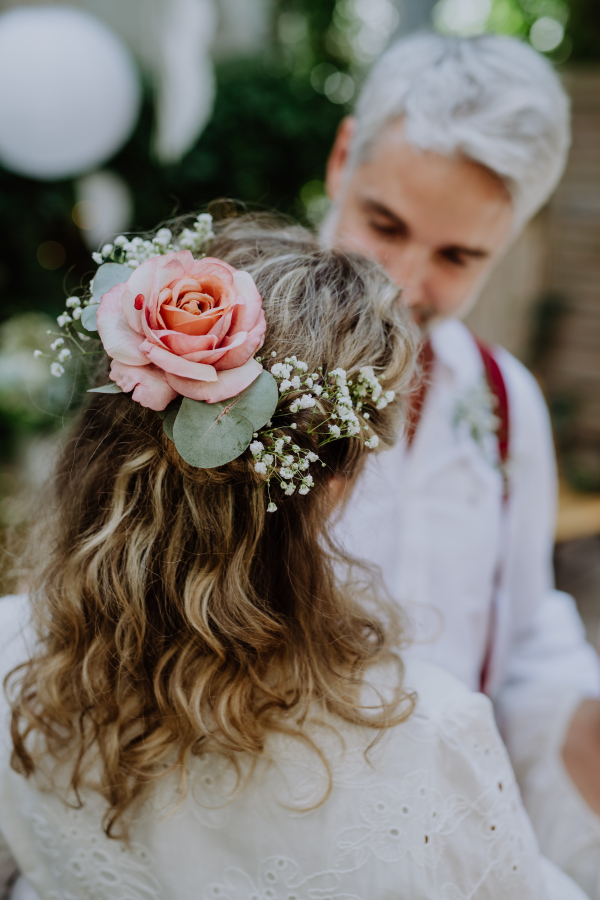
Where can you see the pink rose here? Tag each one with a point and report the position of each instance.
(183, 326)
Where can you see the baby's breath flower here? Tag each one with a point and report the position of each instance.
(311, 457)
(57, 370)
(294, 407)
(256, 448)
(97, 257)
(303, 489)
(57, 343)
(306, 401)
(293, 425)
(121, 241)
(271, 507)
(279, 444)
(284, 386)
(389, 395)
(290, 489)
(318, 390)
(37, 354)
(261, 468)
(64, 355)
(273, 353)
(77, 313)
(301, 365)
(107, 250)
(63, 319)
(372, 442)
(335, 430)
(286, 473)
(296, 382)
(72, 302)
(268, 459)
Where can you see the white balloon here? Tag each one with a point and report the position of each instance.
(69, 92)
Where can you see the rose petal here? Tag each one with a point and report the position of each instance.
(149, 384)
(183, 344)
(229, 384)
(118, 339)
(175, 365)
(212, 266)
(239, 354)
(246, 314)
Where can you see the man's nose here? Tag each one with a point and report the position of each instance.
(410, 272)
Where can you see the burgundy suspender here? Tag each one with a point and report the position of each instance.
(497, 387)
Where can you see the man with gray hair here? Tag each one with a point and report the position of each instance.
(455, 145)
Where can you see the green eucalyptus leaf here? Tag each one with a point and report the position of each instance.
(258, 402)
(169, 422)
(88, 317)
(110, 388)
(210, 434)
(207, 435)
(107, 276)
(173, 405)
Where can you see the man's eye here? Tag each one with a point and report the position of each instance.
(455, 257)
(383, 228)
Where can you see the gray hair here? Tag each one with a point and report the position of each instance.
(491, 99)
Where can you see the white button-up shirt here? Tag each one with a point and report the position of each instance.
(473, 573)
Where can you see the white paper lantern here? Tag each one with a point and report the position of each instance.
(69, 92)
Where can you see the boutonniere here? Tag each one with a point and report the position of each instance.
(474, 413)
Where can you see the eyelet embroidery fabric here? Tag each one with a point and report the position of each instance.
(435, 813)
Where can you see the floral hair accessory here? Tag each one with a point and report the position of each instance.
(282, 461)
(182, 333)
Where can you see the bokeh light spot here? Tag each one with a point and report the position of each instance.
(85, 214)
(546, 34)
(51, 255)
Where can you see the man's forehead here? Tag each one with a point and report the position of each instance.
(450, 200)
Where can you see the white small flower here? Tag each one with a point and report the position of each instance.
(273, 353)
(286, 473)
(339, 375)
(306, 401)
(335, 430)
(63, 319)
(284, 386)
(296, 382)
(163, 237)
(389, 395)
(77, 313)
(312, 457)
(304, 464)
(289, 459)
(37, 354)
(281, 370)
(301, 365)
(294, 407)
(366, 416)
(107, 250)
(256, 448)
(268, 459)
(372, 442)
(121, 241)
(353, 428)
(56, 369)
(72, 302)
(261, 468)
(64, 355)
(271, 507)
(57, 343)
(279, 444)
(290, 489)
(308, 382)
(303, 489)
(97, 257)
(308, 479)
(293, 425)
(318, 390)
(381, 403)
(287, 438)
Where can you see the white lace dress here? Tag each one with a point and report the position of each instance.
(432, 814)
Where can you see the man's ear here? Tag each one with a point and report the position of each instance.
(338, 158)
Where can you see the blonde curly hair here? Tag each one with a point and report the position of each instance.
(174, 615)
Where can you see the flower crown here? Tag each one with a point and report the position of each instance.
(182, 331)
